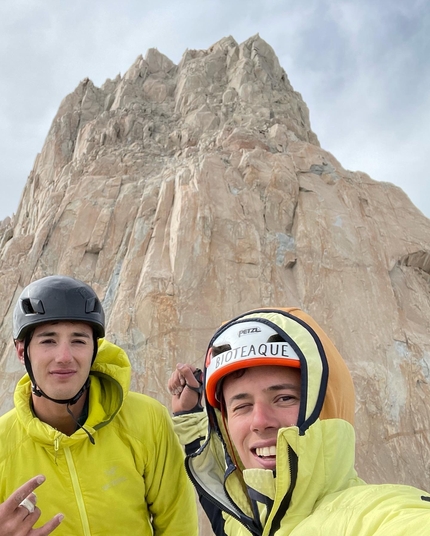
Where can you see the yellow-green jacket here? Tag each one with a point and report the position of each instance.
(130, 482)
(316, 491)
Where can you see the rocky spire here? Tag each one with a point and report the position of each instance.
(186, 194)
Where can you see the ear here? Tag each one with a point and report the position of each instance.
(19, 347)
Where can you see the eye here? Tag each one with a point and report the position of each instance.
(47, 341)
(80, 341)
(287, 399)
(242, 408)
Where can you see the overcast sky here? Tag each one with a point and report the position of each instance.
(362, 67)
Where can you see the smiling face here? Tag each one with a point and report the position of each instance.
(60, 354)
(259, 403)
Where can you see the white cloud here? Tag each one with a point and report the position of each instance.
(361, 66)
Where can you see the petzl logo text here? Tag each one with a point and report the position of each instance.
(248, 331)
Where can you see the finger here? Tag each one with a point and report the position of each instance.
(21, 493)
(28, 504)
(188, 373)
(175, 384)
(177, 391)
(22, 526)
(185, 366)
(48, 527)
(180, 367)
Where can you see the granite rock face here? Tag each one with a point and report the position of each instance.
(186, 194)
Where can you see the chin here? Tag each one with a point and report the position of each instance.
(60, 395)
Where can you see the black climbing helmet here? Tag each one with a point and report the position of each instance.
(57, 298)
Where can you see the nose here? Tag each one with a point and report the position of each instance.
(262, 417)
(64, 354)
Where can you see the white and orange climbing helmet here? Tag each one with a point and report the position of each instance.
(244, 344)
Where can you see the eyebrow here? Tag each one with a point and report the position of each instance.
(54, 333)
(276, 387)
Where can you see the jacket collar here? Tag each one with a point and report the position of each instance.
(309, 466)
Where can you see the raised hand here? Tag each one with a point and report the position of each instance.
(181, 386)
(19, 512)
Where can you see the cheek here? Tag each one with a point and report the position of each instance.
(84, 357)
(290, 417)
(237, 430)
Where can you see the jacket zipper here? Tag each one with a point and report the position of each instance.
(285, 503)
(78, 492)
(56, 447)
(222, 507)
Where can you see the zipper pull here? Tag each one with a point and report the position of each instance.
(56, 447)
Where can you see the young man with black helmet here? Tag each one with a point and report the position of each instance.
(112, 462)
(276, 454)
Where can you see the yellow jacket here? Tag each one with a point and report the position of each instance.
(130, 482)
(316, 491)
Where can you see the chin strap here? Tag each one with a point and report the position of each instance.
(69, 401)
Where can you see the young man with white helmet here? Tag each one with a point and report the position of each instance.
(277, 457)
(112, 462)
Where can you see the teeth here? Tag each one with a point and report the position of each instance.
(266, 451)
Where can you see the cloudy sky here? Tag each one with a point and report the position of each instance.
(362, 67)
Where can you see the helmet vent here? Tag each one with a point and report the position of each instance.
(32, 306)
(90, 305)
(275, 338)
(216, 350)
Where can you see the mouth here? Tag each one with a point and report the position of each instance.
(264, 457)
(62, 373)
(266, 452)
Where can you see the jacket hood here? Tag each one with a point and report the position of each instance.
(110, 378)
(327, 387)
(307, 453)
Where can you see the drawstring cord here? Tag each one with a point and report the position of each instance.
(90, 437)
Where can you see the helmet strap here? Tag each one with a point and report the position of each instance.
(96, 347)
